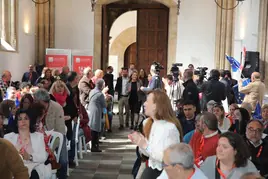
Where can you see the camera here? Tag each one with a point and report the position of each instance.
(157, 67)
(201, 71)
(175, 71)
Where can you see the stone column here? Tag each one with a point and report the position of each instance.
(263, 39)
(44, 30)
(224, 33)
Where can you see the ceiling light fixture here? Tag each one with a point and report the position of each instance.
(231, 8)
(179, 6)
(93, 3)
(42, 2)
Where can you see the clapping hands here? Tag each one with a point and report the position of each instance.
(138, 139)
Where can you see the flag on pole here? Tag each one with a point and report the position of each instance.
(235, 65)
(257, 112)
(240, 96)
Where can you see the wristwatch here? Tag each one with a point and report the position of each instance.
(31, 158)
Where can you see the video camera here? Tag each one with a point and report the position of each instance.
(201, 71)
(175, 71)
(157, 67)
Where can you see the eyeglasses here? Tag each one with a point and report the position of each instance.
(251, 130)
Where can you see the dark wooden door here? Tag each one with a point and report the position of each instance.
(152, 37)
(131, 55)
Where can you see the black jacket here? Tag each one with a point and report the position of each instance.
(109, 81)
(260, 160)
(191, 92)
(118, 86)
(213, 90)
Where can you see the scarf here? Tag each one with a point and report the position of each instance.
(61, 98)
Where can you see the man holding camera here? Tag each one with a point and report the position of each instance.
(213, 89)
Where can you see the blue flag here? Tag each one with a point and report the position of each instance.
(257, 112)
(240, 96)
(234, 63)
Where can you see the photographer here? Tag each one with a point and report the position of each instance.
(213, 89)
(190, 89)
(156, 81)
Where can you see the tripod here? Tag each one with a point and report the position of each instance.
(175, 93)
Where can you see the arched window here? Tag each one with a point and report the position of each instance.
(8, 29)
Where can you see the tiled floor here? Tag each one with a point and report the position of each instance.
(115, 162)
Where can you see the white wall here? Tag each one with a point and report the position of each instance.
(246, 27)
(17, 62)
(74, 25)
(196, 33)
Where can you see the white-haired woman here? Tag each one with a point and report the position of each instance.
(95, 108)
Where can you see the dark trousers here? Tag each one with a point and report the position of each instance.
(150, 173)
(95, 139)
(63, 160)
(34, 175)
(71, 153)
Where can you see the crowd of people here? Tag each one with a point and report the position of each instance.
(184, 130)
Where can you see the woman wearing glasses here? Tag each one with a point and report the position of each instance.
(161, 130)
(231, 160)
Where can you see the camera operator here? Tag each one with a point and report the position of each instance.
(226, 82)
(174, 90)
(156, 81)
(191, 91)
(213, 89)
(173, 85)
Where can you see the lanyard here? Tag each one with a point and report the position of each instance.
(259, 152)
(218, 170)
(199, 159)
(192, 174)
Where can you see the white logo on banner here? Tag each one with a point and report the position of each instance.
(50, 59)
(77, 60)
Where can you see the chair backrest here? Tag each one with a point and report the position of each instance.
(76, 129)
(54, 136)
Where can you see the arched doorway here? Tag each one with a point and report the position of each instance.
(101, 35)
(152, 31)
(130, 56)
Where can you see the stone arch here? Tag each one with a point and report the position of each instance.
(120, 44)
(172, 30)
(132, 22)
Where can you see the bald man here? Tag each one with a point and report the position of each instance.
(254, 91)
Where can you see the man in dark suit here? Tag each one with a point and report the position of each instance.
(190, 92)
(121, 89)
(109, 80)
(30, 76)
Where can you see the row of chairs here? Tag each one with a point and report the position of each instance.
(79, 142)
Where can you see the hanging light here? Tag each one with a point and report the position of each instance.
(93, 3)
(178, 6)
(231, 8)
(40, 2)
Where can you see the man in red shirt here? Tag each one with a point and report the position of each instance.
(205, 145)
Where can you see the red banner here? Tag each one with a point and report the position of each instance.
(56, 61)
(81, 62)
